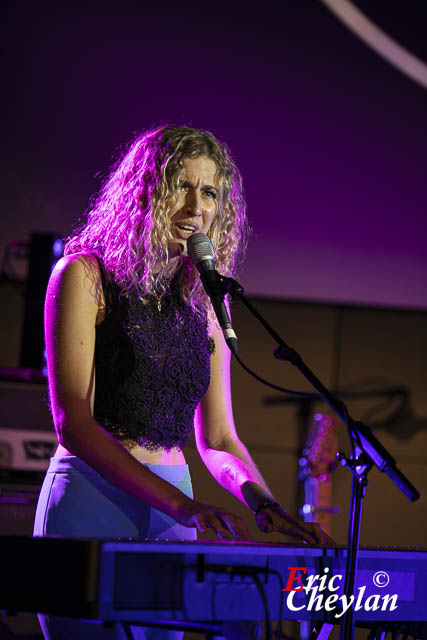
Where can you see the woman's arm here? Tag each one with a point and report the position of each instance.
(224, 454)
(73, 301)
(227, 458)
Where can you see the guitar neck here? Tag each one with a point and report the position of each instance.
(318, 494)
(319, 453)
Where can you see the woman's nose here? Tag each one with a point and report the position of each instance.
(194, 203)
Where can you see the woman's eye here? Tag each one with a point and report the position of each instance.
(211, 194)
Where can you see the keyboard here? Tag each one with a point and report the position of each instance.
(141, 580)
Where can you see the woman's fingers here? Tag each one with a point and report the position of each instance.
(319, 534)
(330, 540)
(275, 518)
(298, 531)
(225, 524)
(323, 536)
(219, 529)
(230, 527)
(236, 526)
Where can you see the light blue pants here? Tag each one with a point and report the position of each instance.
(75, 501)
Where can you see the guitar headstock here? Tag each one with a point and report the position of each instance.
(322, 445)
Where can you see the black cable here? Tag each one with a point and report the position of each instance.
(268, 628)
(299, 394)
(353, 436)
(252, 572)
(233, 288)
(276, 573)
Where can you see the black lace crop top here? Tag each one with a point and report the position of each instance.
(152, 364)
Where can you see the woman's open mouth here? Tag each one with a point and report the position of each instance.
(187, 229)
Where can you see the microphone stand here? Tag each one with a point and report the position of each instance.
(367, 451)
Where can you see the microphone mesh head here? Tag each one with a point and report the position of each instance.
(199, 247)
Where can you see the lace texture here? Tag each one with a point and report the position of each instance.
(152, 368)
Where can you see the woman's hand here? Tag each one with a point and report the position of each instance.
(275, 518)
(225, 524)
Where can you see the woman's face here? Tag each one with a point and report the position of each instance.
(196, 201)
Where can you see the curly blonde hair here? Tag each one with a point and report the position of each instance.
(128, 225)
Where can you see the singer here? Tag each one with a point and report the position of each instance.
(137, 359)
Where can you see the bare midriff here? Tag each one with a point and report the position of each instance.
(163, 456)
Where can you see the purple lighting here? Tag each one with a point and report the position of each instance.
(58, 248)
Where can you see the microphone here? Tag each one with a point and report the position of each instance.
(200, 251)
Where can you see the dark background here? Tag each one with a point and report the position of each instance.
(331, 139)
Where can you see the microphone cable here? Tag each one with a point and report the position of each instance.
(298, 394)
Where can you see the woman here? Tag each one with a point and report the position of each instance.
(134, 355)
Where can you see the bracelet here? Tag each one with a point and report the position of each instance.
(264, 505)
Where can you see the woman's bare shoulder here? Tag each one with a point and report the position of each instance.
(78, 262)
(77, 274)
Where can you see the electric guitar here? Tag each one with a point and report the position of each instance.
(317, 464)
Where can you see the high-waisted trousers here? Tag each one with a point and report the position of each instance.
(75, 501)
